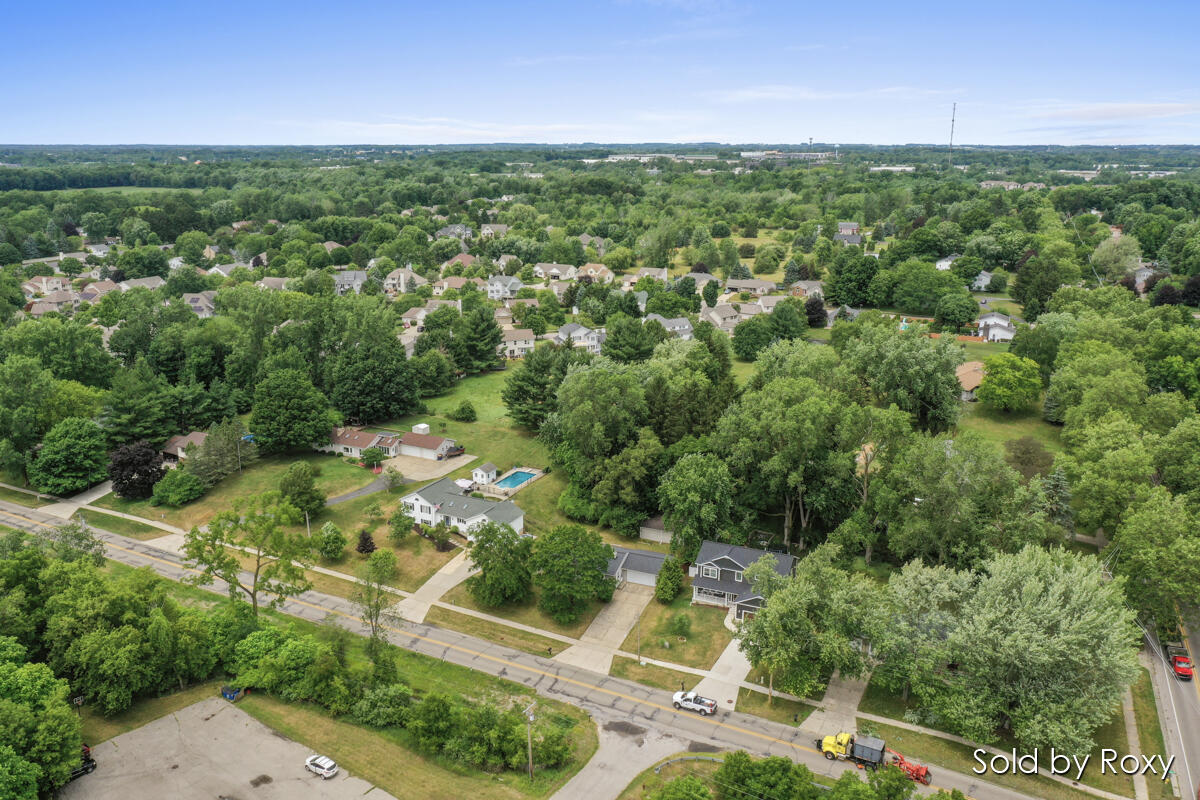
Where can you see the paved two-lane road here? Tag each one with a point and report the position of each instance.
(606, 698)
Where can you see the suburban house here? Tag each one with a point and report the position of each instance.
(841, 312)
(807, 289)
(349, 282)
(484, 474)
(641, 298)
(416, 316)
(174, 263)
(997, 327)
(635, 566)
(226, 270)
(555, 272)
(981, 282)
(504, 260)
(679, 327)
(503, 316)
(503, 287)
(970, 375)
(210, 251)
(848, 238)
(1142, 274)
(331, 246)
(418, 443)
(848, 227)
(595, 241)
(175, 450)
(490, 230)
(446, 502)
(629, 281)
(723, 316)
(946, 263)
(456, 282)
(455, 231)
(517, 342)
(701, 278)
(597, 272)
(559, 288)
(718, 576)
(153, 282)
(202, 304)
(402, 280)
(768, 302)
(95, 290)
(462, 259)
(44, 284)
(99, 250)
(581, 336)
(752, 285)
(272, 284)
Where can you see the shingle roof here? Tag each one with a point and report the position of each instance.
(636, 560)
(449, 499)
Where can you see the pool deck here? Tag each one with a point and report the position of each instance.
(494, 489)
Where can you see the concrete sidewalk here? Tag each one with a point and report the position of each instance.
(414, 607)
(68, 507)
(838, 709)
(726, 677)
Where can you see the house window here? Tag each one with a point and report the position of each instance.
(709, 572)
(737, 576)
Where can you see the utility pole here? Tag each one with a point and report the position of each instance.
(306, 525)
(953, 113)
(528, 712)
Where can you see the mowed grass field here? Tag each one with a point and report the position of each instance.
(336, 476)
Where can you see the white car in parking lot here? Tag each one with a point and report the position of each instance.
(321, 765)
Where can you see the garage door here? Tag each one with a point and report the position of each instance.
(640, 578)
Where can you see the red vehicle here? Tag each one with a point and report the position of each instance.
(1180, 661)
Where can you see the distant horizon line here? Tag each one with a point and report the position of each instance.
(594, 144)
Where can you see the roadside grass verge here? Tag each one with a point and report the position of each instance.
(651, 674)
(526, 613)
(495, 632)
(120, 525)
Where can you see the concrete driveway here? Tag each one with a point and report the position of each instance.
(609, 629)
(208, 750)
(423, 469)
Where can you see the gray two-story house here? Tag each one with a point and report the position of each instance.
(718, 576)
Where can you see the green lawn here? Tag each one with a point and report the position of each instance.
(651, 674)
(525, 613)
(482, 390)
(21, 498)
(97, 728)
(1000, 427)
(742, 371)
(416, 558)
(386, 758)
(495, 632)
(700, 648)
(120, 525)
(336, 477)
(786, 712)
(982, 351)
(1150, 732)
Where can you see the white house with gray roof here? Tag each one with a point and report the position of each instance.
(445, 501)
(503, 287)
(679, 327)
(581, 336)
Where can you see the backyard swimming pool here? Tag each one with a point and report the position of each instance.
(515, 479)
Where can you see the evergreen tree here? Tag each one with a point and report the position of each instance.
(138, 407)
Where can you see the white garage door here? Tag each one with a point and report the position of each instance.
(642, 578)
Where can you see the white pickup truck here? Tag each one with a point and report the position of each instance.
(691, 701)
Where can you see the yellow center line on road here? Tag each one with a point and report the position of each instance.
(476, 654)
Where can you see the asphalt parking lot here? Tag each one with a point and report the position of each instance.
(209, 751)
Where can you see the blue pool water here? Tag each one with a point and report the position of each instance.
(514, 480)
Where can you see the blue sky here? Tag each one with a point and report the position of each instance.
(626, 71)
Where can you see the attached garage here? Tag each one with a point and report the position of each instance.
(635, 566)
